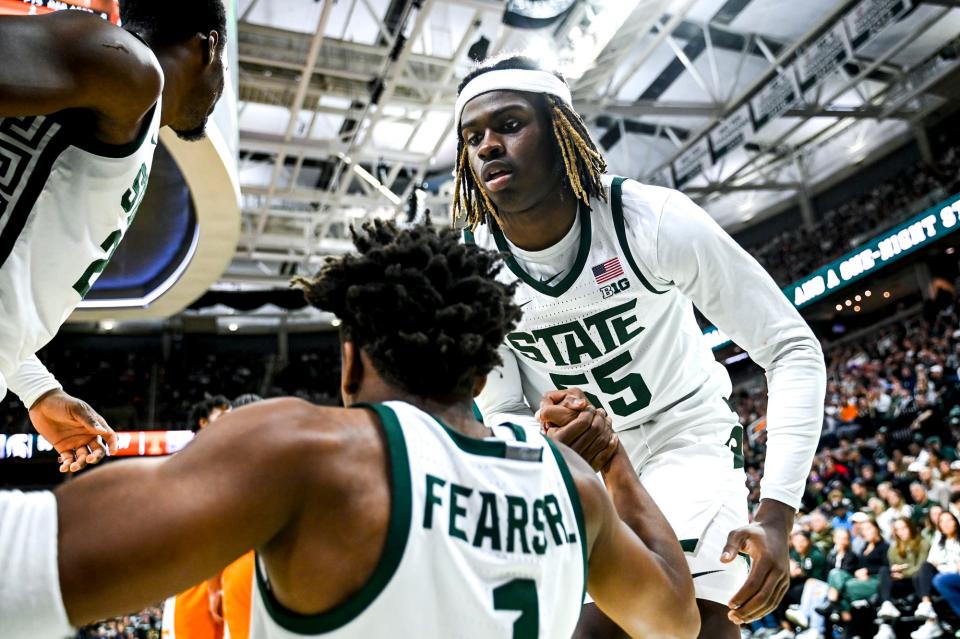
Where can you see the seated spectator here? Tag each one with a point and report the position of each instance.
(863, 583)
(921, 502)
(821, 534)
(931, 523)
(906, 555)
(806, 562)
(943, 558)
(897, 508)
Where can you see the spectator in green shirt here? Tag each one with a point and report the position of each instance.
(906, 554)
(806, 562)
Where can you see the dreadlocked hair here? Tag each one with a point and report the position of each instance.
(425, 307)
(583, 163)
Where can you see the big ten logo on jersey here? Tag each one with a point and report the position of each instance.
(616, 287)
(130, 201)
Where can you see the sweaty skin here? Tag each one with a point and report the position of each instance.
(317, 468)
(536, 209)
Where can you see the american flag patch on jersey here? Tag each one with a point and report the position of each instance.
(607, 271)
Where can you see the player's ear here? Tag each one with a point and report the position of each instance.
(208, 47)
(351, 370)
(479, 384)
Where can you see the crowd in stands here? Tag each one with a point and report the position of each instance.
(801, 250)
(143, 625)
(875, 550)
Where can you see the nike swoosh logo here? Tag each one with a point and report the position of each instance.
(707, 572)
(549, 279)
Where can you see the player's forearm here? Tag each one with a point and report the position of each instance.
(796, 382)
(640, 513)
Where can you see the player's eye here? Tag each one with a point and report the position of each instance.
(510, 125)
(473, 140)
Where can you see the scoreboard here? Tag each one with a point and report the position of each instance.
(106, 9)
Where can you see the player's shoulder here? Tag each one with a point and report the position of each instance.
(113, 62)
(635, 200)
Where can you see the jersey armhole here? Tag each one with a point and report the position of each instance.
(86, 142)
(577, 509)
(616, 201)
(398, 532)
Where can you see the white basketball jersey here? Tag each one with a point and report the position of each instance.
(66, 200)
(485, 540)
(627, 339)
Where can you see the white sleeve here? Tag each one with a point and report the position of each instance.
(31, 606)
(502, 397)
(733, 291)
(31, 381)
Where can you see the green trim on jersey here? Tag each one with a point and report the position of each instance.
(577, 509)
(616, 200)
(487, 447)
(468, 237)
(518, 432)
(398, 532)
(690, 545)
(561, 287)
(81, 138)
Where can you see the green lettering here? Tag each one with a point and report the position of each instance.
(735, 444)
(134, 195)
(580, 344)
(457, 491)
(523, 342)
(555, 519)
(546, 335)
(432, 499)
(540, 539)
(620, 326)
(83, 285)
(489, 525)
(599, 322)
(517, 523)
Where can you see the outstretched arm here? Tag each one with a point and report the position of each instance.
(634, 582)
(73, 60)
(134, 532)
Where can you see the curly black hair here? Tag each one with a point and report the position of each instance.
(202, 409)
(168, 22)
(582, 160)
(425, 307)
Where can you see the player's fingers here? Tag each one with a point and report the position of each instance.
(599, 437)
(758, 574)
(766, 599)
(554, 397)
(570, 433)
(66, 459)
(80, 460)
(613, 445)
(97, 451)
(109, 437)
(557, 416)
(736, 541)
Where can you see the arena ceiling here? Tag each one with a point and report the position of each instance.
(346, 106)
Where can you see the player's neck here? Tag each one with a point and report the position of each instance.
(543, 224)
(175, 64)
(457, 416)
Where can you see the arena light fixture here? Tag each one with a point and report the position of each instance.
(886, 294)
(839, 307)
(868, 293)
(848, 303)
(951, 251)
(108, 325)
(335, 322)
(857, 298)
(233, 327)
(856, 309)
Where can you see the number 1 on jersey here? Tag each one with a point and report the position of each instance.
(520, 595)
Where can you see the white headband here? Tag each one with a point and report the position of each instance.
(528, 80)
